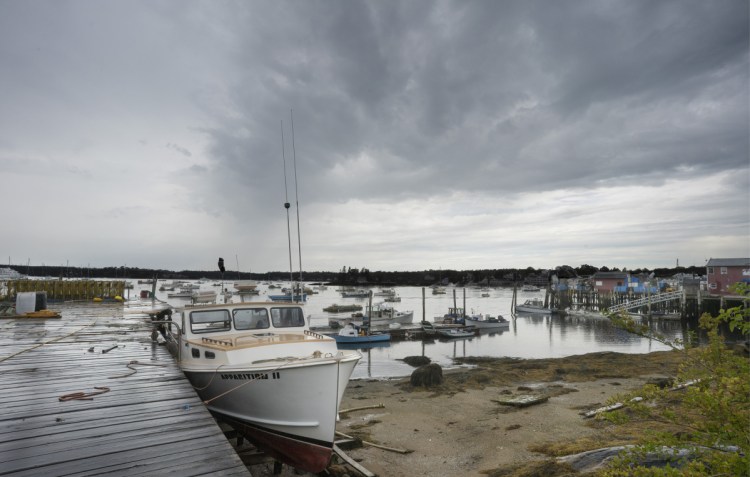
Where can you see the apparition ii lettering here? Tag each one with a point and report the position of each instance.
(252, 376)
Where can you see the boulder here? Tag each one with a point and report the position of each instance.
(417, 361)
(427, 375)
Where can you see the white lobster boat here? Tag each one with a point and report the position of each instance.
(258, 367)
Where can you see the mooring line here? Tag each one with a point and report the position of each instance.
(48, 342)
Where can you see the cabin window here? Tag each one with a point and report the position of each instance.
(209, 321)
(287, 317)
(250, 319)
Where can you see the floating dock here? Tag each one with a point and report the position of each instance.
(90, 393)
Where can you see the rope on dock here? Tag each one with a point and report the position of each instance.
(130, 365)
(81, 396)
(48, 342)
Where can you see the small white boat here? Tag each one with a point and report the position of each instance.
(454, 333)
(581, 312)
(533, 305)
(182, 293)
(385, 315)
(530, 288)
(204, 296)
(486, 322)
(381, 316)
(357, 293)
(258, 367)
(246, 286)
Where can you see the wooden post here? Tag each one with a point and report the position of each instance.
(464, 312)
(423, 310)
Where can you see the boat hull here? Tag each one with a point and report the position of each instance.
(297, 429)
(533, 310)
(298, 453)
(453, 334)
(487, 325)
(363, 339)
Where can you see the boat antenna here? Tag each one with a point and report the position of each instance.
(286, 206)
(296, 198)
(236, 259)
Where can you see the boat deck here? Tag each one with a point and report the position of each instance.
(89, 393)
(228, 342)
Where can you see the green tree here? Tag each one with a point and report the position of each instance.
(704, 427)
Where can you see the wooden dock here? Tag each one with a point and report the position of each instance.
(139, 415)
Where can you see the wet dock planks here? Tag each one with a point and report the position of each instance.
(148, 422)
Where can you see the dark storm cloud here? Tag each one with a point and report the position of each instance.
(490, 95)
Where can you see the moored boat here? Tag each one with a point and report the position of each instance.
(246, 286)
(454, 333)
(379, 317)
(335, 308)
(355, 293)
(486, 322)
(203, 296)
(355, 334)
(258, 367)
(181, 293)
(454, 316)
(533, 305)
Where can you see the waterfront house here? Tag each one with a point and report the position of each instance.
(610, 281)
(725, 272)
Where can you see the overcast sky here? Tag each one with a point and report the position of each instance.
(427, 134)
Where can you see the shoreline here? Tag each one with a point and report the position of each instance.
(459, 428)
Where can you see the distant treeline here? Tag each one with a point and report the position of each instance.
(354, 276)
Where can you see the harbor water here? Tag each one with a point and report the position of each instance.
(528, 336)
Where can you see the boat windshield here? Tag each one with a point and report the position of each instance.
(287, 317)
(209, 321)
(250, 318)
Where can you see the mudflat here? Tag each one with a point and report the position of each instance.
(462, 427)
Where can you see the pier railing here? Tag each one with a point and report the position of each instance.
(637, 303)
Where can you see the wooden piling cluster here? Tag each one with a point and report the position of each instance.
(68, 289)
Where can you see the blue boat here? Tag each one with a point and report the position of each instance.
(374, 338)
(351, 333)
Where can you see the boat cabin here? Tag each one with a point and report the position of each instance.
(241, 317)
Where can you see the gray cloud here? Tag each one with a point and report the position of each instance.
(413, 106)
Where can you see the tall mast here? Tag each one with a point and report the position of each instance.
(286, 206)
(296, 198)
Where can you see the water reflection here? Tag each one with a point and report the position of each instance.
(529, 336)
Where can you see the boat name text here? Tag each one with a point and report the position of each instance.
(252, 376)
